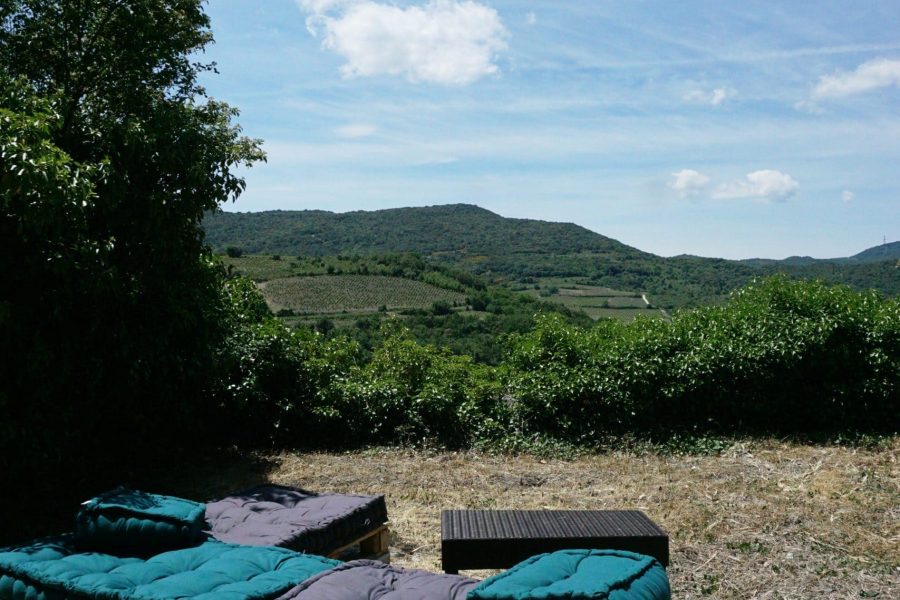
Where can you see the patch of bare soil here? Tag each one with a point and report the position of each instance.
(762, 520)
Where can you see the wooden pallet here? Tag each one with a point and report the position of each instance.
(373, 545)
(498, 539)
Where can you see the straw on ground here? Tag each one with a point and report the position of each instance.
(762, 520)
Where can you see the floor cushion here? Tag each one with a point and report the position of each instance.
(275, 515)
(370, 580)
(53, 569)
(124, 520)
(579, 575)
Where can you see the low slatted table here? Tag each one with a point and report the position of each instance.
(498, 539)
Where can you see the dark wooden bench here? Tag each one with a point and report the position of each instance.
(498, 539)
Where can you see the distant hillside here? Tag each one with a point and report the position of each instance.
(889, 251)
(884, 252)
(525, 250)
(454, 231)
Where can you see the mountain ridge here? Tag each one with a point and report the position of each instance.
(886, 251)
(445, 228)
(523, 250)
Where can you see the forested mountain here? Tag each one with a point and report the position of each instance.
(504, 249)
(889, 251)
(456, 231)
(886, 251)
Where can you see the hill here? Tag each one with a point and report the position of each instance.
(505, 250)
(451, 231)
(889, 251)
(885, 252)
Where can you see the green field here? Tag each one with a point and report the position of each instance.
(324, 294)
(596, 301)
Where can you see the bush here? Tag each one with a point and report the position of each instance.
(413, 393)
(440, 307)
(275, 386)
(782, 356)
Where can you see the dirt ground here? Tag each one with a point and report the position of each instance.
(762, 520)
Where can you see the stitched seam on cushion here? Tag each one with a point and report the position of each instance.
(622, 585)
(564, 578)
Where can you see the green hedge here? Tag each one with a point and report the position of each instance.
(781, 357)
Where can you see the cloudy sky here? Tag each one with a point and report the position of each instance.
(735, 129)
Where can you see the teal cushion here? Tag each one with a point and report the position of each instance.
(579, 574)
(55, 570)
(125, 521)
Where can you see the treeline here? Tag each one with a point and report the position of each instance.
(686, 281)
(393, 264)
(781, 357)
(500, 313)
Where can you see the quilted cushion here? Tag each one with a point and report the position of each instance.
(370, 580)
(275, 515)
(579, 575)
(53, 569)
(125, 520)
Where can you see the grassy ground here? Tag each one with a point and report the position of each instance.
(761, 520)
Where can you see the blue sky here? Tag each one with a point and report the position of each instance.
(734, 129)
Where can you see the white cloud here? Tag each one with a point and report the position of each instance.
(713, 98)
(449, 42)
(531, 19)
(847, 196)
(355, 130)
(688, 182)
(871, 75)
(766, 186)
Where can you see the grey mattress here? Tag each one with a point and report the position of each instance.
(370, 580)
(274, 515)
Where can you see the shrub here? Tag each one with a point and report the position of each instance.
(276, 386)
(781, 356)
(413, 392)
(440, 307)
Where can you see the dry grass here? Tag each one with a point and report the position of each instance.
(762, 520)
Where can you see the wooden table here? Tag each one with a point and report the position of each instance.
(498, 539)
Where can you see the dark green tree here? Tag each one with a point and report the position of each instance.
(110, 303)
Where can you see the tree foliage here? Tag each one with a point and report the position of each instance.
(112, 154)
(781, 357)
